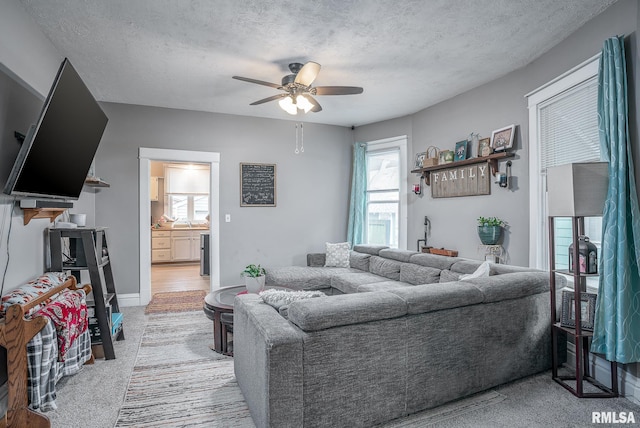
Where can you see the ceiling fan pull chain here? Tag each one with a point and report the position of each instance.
(296, 150)
(302, 138)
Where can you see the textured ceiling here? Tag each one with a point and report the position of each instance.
(406, 54)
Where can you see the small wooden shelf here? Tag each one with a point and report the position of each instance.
(492, 160)
(50, 213)
(96, 183)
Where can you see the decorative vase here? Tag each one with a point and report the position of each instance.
(489, 235)
(254, 284)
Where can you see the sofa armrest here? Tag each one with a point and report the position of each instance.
(268, 363)
(316, 259)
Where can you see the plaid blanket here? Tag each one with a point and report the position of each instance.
(44, 369)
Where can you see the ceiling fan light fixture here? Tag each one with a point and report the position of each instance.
(287, 105)
(303, 103)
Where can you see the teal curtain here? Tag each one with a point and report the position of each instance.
(617, 320)
(358, 202)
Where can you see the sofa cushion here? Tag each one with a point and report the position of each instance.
(349, 282)
(347, 309)
(383, 286)
(466, 266)
(395, 254)
(369, 249)
(304, 277)
(385, 267)
(432, 260)
(435, 297)
(337, 255)
(511, 285)
(448, 276)
(416, 274)
(359, 260)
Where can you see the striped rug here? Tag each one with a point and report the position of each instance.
(178, 381)
(176, 301)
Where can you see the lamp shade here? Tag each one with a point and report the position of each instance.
(577, 189)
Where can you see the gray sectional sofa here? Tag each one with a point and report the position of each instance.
(397, 333)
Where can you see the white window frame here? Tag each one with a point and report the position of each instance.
(538, 229)
(397, 143)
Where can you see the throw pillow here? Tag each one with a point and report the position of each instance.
(278, 298)
(337, 255)
(483, 270)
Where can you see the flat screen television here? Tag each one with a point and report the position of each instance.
(58, 150)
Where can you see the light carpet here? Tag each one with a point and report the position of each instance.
(176, 301)
(178, 380)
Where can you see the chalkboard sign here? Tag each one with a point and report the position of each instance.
(257, 185)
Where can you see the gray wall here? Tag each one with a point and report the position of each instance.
(491, 106)
(312, 188)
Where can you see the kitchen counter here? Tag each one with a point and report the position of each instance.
(180, 228)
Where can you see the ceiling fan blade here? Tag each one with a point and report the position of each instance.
(316, 106)
(308, 73)
(259, 82)
(271, 98)
(338, 90)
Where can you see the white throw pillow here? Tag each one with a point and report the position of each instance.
(483, 270)
(337, 255)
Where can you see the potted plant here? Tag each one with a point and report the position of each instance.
(490, 229)
(254, 277)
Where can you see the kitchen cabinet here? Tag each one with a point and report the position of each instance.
(181, 246)
(154, 191)
(175, 245)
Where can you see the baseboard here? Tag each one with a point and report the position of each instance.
(131, 299)
(628, 384)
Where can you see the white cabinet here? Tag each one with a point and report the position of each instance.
(154, 191)
(175, 246)
(160, 246)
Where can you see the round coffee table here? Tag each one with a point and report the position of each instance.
(218, 307)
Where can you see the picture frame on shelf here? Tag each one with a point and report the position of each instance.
(484, 147)
(445, 156)
(419, 160)
(502, 139)
(460, 152)
(587, 310)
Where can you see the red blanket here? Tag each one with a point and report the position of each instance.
(68, 313)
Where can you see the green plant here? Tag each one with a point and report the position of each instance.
(491, 221)
(253, 271)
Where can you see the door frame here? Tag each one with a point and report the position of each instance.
(145, 156)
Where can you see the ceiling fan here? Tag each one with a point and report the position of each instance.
(298, 90)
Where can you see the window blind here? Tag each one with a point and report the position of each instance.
(186, 180)
(568, 126)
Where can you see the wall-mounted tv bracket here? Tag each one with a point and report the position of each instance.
(20, 137)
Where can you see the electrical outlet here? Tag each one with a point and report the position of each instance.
(227, 218)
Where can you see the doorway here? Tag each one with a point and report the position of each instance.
(179, 194)
(212, 160)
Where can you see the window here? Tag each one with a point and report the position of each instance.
(563, 128)
(386, 193)
(187, 192)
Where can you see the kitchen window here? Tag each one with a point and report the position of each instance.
(187, 192)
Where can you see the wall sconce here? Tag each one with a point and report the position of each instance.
(417, 189)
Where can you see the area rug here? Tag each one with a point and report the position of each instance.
(176, 301)
(179, 381)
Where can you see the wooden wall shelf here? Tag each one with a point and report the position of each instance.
(50, 213)
(96, 183)
(492, 160)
